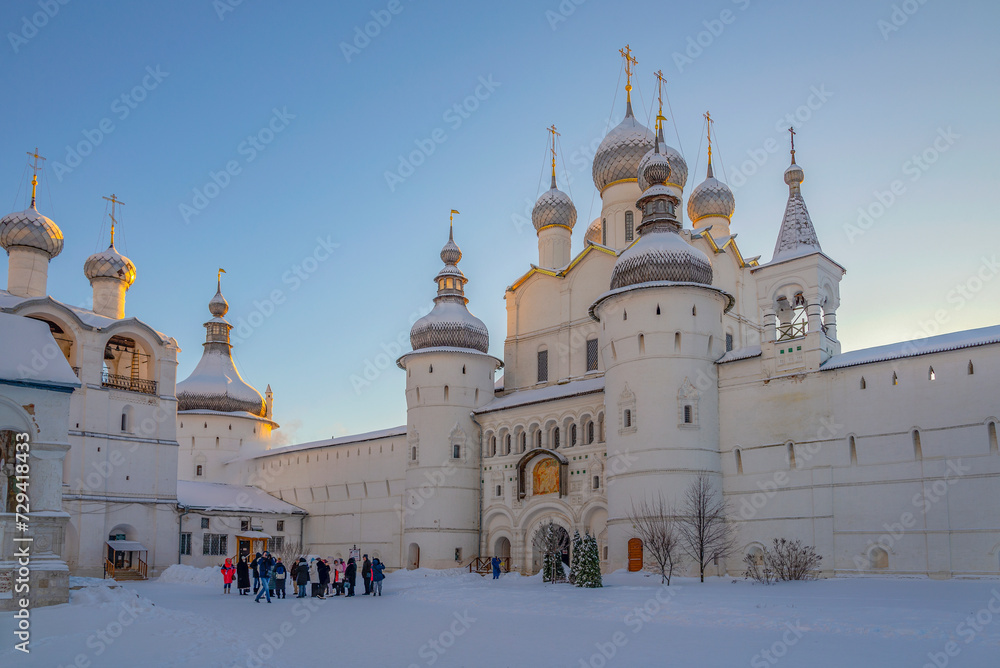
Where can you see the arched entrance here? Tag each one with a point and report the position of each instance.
(413, 558)
(501, 547)
(559, 541)
(634, 555)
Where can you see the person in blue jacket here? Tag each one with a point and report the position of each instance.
(377, 576)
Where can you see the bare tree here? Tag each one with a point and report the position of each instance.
(706, 534)
(289, 553)
(551, 540)
(654, 523)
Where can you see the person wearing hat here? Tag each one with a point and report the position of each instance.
(265, 566)
(228, 571)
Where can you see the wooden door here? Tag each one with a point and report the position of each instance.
(634, 555)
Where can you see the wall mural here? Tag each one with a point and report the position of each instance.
(545, 478)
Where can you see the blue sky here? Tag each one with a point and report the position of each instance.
(331, 260)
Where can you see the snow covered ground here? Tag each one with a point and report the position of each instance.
(457, 619)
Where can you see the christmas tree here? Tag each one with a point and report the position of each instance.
(589, 571)
(574, 569)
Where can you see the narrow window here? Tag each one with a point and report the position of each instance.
(971, 370)
(604, 231)
(538, 438)
(918, 452)
(854, 451)
(124, 421)
(677, 342)
(244, 525)
(597, 482)
(657, 309)
(642, 344)
(430, 369)
(931, 375)
(555, 438)
(413, 453)
(456, 451)
(590, 432)
(614, 355)
(463, 369)
(895, 378)
(216, 441)
(791, 455)
(592, 354)
(197, 470)
(524, 439)
(991, 430)
(687, 415)
(739, 461)
(204, 522)
(543, 366)
(729, 342)
(624, 314)
(711, 340)
(499, 490)
(446, 393)
(628, 418)
(572, 434)
(863, 383)
(506, 449)
(694, 310)
(629, 222)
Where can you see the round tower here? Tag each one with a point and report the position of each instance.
(219, 415)
(448, 375)
(111, 274)
(31, 240)
(661, 334)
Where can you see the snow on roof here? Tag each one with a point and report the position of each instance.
(340, 440)
(127, 546)
(220, 496)
(739, 354)
(550, 393)
(932, 344)
(31, 355)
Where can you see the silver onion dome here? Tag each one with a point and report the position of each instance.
(711, 197)
(110, 263)
(618, 156)
(449, 324)
(215, 384)
(794, 174)
(554, 207)
(678, 165)
(31, 229)
(594, 232)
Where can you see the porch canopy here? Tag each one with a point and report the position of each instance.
(127, 546)
(253, 535)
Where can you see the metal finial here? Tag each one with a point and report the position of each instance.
(630, 61)
(552, 130)
(792, 133)
(114, 200)
(708, 125)
(34, 175)
(219, 280)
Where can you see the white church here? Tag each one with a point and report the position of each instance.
(657, 352)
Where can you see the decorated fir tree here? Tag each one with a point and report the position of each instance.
(589, 571)
(574, 569)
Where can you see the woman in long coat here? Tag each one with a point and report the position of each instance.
(243, 576)
(350, 575)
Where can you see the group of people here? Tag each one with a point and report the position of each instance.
(319, 575)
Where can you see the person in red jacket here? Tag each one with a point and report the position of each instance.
(228, 571)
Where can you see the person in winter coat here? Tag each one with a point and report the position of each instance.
(264, 567)
(377, 576)
(366, 574)
(350, 573)
(243, 576)
(495, 562)
(324, 577)
(228, 571)
(335, 574)
(313, 578)
(280, 574)
(256, 573)
(302, 577)
(341, 568)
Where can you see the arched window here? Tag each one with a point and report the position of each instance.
(538, 438)
(918, 451)
(642, 344)
(506, 449)
(198, 470)
(572, 434)
(127, 419)
(790, 447)
(677, 342)
(991, 431)
(739, 461)
(931, 375)
(590, 431)
(628, 418)
(624, 314)
(864, 385)
(524, 440)
(878, 559)
(854, 451)
(657, 309)
(446, 393)
(971, 369)
(555, 438)
(216, 441)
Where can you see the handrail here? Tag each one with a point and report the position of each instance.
(484, 565)
(109, 568)
(128, 384)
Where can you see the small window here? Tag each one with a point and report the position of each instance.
(642, 344)
(506, 449)
(543, 366)
(628, 418)
(281, 525)
(895, 378)
(694, 310)
(186, 543)
(215, 544)
(677, 342)
(739, 461)
(413, 453)
(624, 314)
(854, 451)
(592, 354)
(629, 223)
(791, 455)
(918, 450)
(538, 438)
(878, 559)
(931, 375)
(524, 441)
(124, 421)
(456, 451)
(604, 231)
(499, 490)
(991, 431)
(244, 525)
(688, 418)
(657, 309)
(204, 522)
(729, 342)
(446, 393)
(864, 385)
(572, 434)
(277, 544)
(590, 432)
(555, 438)
(198, 470)
(971, 369)
(597, 482)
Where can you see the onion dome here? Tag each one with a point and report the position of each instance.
(31, 229)
(660, 254)
(215, 384)
(554, 207)
(110, 264)
(678, 165)
(449, 324)
(617, 158)
(711, 197)
(593, 234)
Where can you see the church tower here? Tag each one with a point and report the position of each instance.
(711, 204)
(111, 274)
(661, 332)
(798, 291)
(448, 375)
(31, 240)
(554, 217)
